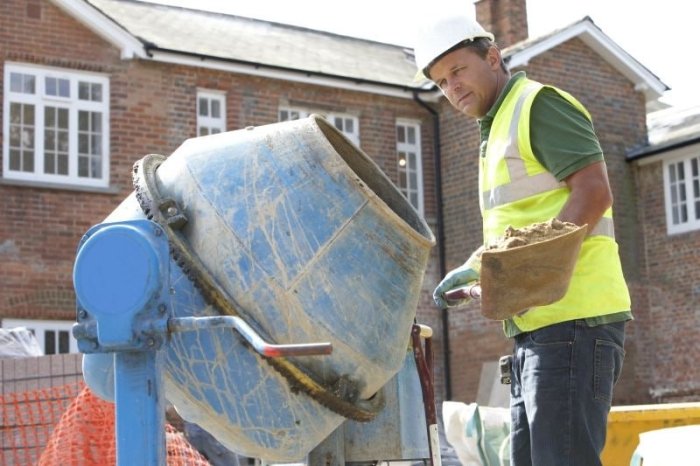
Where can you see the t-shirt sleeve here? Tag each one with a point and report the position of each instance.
(562, 137)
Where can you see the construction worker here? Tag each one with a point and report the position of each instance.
(540, 159)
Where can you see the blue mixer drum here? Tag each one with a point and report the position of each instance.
(294, 229)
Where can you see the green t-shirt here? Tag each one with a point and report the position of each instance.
(563, 141)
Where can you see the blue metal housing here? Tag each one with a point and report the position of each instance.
(120, 275)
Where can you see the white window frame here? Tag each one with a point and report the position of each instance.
(40, 99)
(212, 124)
(39, 327)
(688, 188)
(347, 124)
(408, 148)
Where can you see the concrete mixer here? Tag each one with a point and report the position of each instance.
(265, 282)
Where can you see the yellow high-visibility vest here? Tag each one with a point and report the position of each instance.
(517, 190)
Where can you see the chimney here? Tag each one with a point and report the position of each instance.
(506, 19)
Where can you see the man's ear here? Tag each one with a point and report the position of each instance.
(493, 56)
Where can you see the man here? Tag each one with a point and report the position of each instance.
(540, 159)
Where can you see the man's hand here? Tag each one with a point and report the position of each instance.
(461, 276)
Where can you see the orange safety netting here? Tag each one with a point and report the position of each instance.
(70, 426)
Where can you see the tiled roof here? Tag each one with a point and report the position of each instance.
(253, 41)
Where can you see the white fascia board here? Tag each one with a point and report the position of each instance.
(644, 81)
(98, 23)
(295, 76)
(670, 154)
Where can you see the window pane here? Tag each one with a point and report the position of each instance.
(284, 115)
(15, 82)
(350, 125)
(96, 92)
(83, 123)
(28, 84)
(413, 177)
(672, 173)
(400, 134)
(83, 147)
(63, 164)
(49, 166)
(49, 342)
(50, 85)
(63, 118)
(28, 161)
(50, 116)
(83, 90)
(28, 137)
(64, 88)
(95, 144)
(215, 109)
(203, 131)
(14, 160)
(83, 166)
(96, 121)
(96, 167)
(203, 107)
(15, 136)
(411, 135)
(63, 342)
(15, 113)
(63, 141)
(49, 139)
(411, 161)
(28, 118)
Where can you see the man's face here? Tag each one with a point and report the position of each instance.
(469, 82)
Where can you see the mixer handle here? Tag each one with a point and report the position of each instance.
(183, 324)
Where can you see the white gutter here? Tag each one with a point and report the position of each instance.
(299, 76)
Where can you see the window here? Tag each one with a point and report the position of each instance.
(347, 124)
(682, 187)
(54, 336)
(56, 122)
(211, 113)
(410, 171)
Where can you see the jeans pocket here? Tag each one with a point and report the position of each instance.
(558, 334)
(608, 366)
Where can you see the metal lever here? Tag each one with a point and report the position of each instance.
(184, 324)
(467, 292)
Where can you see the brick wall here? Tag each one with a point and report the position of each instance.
(669, 329)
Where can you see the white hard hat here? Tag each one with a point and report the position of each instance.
(441, 35)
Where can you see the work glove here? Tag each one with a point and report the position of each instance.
(460, 277)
